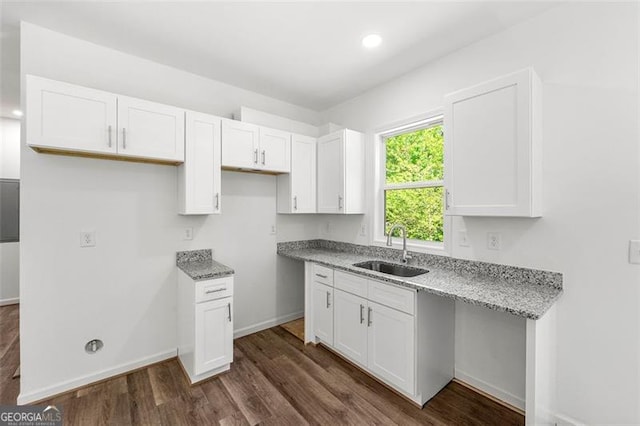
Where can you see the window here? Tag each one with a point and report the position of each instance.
(413, 181)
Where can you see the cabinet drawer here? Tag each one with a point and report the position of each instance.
(394, 297)
(322, 274)
(214, 289)
(350, 283)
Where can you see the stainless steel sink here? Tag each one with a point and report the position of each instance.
(391, 268)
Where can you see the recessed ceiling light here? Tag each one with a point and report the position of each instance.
(17, 112)
(371, 41)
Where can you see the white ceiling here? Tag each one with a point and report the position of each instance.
(306, 53)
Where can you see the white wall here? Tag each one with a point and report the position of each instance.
(123, 290)
(9, 169)
(587, 57)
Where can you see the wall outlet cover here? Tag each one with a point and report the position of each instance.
(463, 238)
(87, 239)
(273, 230)
(363, 229)
(188, 234)
(493, 240)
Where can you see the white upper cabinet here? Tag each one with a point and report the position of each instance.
(297, 190)
(341, 173)
(275, 150)
(63, 116)
(150, 130)
(492, 148)
(71, 119)
(199, 177)
(252, 147)
(240, 144)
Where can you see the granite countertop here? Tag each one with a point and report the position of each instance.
(523, 292)
(199, 265)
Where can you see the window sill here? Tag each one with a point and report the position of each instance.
(428, 248)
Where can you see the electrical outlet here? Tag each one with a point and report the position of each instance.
(463, 239)
(493, 240)
(327, 228)
(87, 239)
(273, 230)
(188, 234)
(634, 251)
(363, 229)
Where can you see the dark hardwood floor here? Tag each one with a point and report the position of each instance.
(274, 380)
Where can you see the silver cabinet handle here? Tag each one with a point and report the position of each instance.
(229, 307)
(109, 130)
(217, 200)
(264, 156)
(295, 203)
(369, 320)
(361, 314)
(217, 290)
(339, 202)
(124, 138)
(328, 301)
(446, 200)
(321, 276)
(255, 156)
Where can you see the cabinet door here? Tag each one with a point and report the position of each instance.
(331, 173)
(323, 312)
(199, 176)
(490, 148)
(350, 331)
(150, 130)
(391, 346)
(240, 145)
(214, 334)
(303, 174)
(275, 150)
(69, 117)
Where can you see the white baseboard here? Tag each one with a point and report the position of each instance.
(245, 331)
(562, 420)
(40, 394)
(12, 301)
(494, 391)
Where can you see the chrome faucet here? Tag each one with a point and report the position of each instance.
(405, 255)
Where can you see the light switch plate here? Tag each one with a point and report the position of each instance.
(634, 252)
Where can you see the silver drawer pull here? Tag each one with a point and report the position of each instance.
(229, 307)
(217, 290)
(361, 314)
(109, 135)
(328, 300)
(124, 138)
(369, 320)
(255, 156)
(321, 276)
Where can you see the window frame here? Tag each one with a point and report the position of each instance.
(418, 122)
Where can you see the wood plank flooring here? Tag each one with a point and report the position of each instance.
(274, 380)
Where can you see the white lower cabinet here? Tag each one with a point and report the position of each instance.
(214, 335)
(401, 336)
(391, 346)
(323, 312)
(205, 326)
(350, 331)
